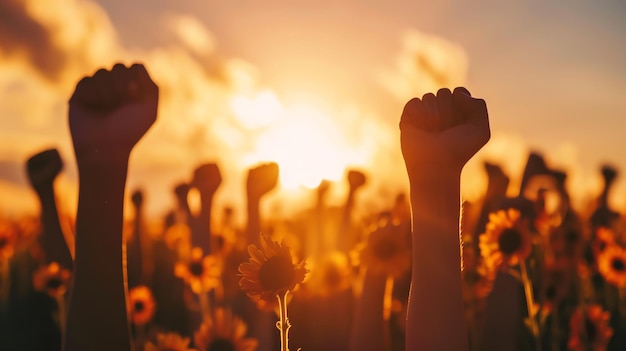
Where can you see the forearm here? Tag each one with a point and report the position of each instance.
(435, 319)
(52, 239)
(202, 231)
(97, 316)
(254, 221)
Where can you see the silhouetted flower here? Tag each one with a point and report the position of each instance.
(612, 265)
(169, 342)
(225, 332)
(388, 250)
(51, 279)
(201, 273)
(142, 305)
(507, 239)
(270, 270)
(589, 329)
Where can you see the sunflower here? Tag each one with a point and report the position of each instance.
(51, 279)
(201, 273)
(169, 342)
(142, 305)
(507, 239)
(603, 238)
(589, 329)
(225, 332)
(270, 270)
(388, 250)
(612, 265)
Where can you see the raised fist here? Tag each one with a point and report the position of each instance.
(261, 179)
(110, 111)
(442, 131)
(207, 178)
(43, 168)
(356, 179)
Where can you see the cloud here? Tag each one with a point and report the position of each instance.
(425, 64)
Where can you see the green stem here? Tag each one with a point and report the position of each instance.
(530, 303)
(283, 324)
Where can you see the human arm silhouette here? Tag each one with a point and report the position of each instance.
(109, 112)
(206, 179)
(439, 134)
(261, 180)
(43, 168)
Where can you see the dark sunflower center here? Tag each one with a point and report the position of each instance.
(591, 330)
(3, 242)
(510, 241)
(276, 273)
(618, 265)
(139, 306)
(385, 249)
(221, 344)
(196, 268)
(54, 283)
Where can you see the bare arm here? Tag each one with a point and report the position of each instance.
(43, 168)
(261, 180)
(109, 113)
(207, 179)
(439, 134)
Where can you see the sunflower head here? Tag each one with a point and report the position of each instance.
(142, 305)
(202, 273)
(388, 250)
(270, 271)
(589, 329)
(51, 279)
(507, 239)
(225, 332)
(169, 342)
(612, 265)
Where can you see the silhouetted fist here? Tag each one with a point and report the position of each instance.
(443, 131)
(261, 179)
(111, 110)
(356, 179)
(207, 178)
(137, 198)
(43, 168)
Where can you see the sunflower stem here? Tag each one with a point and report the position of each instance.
(283, 324)
(530, 304)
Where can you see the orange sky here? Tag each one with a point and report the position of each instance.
(236, 75)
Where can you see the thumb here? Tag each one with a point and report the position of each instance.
(468, 109)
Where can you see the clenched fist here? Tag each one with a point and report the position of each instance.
(110, 111)
(442, 131)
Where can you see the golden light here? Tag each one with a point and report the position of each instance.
(302, 139)
(257, 111)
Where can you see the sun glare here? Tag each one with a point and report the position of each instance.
(302, 139)
(261, 110)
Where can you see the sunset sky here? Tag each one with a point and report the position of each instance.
(317, 86)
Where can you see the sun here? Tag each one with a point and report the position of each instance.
(304, 140)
